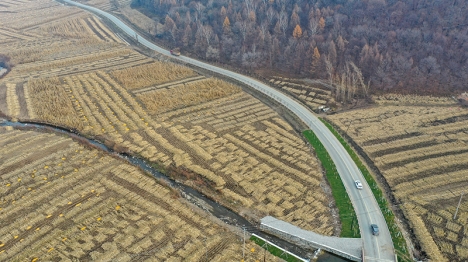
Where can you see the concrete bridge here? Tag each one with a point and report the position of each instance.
(350, 248)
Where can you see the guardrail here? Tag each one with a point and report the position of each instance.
(297, 108)
(282, 249)
(307, 243)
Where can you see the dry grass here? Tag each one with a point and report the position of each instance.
(151, 74)
(263, 165)
(63, 201)
(51, 103)
(421, 151)
(397, 99)
(142, 21)
(210, 129)
(313, 95)
(75, 28)
(187, 95)
(12, 101)
(36, 13)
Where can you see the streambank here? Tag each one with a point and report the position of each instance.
(191, 195)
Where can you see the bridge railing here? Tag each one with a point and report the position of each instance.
(308, 243)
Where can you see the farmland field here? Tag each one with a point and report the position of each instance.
(61, 200)
(202, 130)
(420, 147)
(312, 95)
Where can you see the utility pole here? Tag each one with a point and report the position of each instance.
(206, 254)
(243, 248)
(456, 211)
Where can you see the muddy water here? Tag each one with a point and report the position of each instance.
(226, 215)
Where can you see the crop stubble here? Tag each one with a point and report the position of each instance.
(421, 152)
(252, 157)
(54, 206)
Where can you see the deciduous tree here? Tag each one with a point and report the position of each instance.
(297, 33)
(315, 67)
(321, 23)
(226, 25)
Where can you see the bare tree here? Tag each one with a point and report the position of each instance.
(343, 86)
(188, 18)
(199, 7)
(313, 26)
(360, 78)
(243, 28)
(283, 22)
(353, 86)
(282, 3)
(329, 68)
(263, 30)
(270, 14)
(206, 32)
(250, 5)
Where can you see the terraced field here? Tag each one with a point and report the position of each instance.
(61, 200)
(236, 143)
(312, 95)
(422, 153)
(206, 132)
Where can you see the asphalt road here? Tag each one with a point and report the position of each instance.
(376, 248)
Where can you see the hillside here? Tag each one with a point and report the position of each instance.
(415, 46)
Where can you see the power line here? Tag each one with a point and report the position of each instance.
(456, 211)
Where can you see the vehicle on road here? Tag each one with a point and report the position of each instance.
(375, 229)
(175, 51)
(358, 184)
(362, 200)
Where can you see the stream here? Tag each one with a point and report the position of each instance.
(193, 196)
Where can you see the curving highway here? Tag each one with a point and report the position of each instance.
(376, 248)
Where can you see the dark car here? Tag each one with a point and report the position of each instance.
(375, 229)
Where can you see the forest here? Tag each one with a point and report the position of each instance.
(362, 47)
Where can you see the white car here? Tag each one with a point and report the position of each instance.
(358, 184)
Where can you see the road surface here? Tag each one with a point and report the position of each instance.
(376, 248)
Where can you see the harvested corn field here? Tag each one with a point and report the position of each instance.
(48, 102)
(422, 153)
(311, 94)
(82, 27)
(186, 94)
(211, 135)
(236, 143)
(54, 206)
(151, 74)
(263, 164)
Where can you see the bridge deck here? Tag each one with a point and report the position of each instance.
(350, 248)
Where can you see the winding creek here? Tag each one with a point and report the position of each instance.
(208, 205)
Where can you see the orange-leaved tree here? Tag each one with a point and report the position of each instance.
(297, 33)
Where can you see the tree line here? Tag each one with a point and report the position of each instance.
(362, 47)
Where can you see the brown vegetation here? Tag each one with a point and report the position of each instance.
(251, 159)
(311, 94)
(151, 74)
(393, 43)
(421, 152)
(62, 201)
(50, 102)
(187, 94)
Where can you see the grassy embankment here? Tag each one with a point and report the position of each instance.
(274, 251)
(399, 242)
(349, 222)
